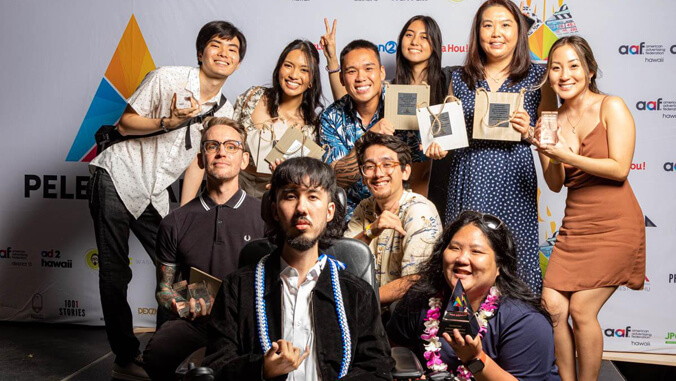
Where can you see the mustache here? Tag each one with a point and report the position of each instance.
(302, 219)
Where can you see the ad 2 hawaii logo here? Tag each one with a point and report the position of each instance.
(129, 65)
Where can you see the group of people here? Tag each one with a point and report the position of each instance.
(430, 218)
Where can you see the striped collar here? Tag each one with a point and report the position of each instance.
(234, 202)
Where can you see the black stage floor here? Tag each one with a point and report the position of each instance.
(46, 352)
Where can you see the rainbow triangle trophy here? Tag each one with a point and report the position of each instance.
(459, 314)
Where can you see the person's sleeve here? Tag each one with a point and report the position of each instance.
(223, 346)
(413, 141)
(526, 348)
(330, 138)
(167, 240)
(239, 105)
(423, 228)
(146, 97)
(372, 358)
(356, 223)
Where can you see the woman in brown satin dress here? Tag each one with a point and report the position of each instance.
(601, 243)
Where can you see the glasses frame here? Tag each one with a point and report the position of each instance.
(380, 166)
(240, 146)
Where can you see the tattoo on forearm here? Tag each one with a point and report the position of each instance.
(166, 274)
(347, 171)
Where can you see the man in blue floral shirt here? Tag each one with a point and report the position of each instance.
(361, 110)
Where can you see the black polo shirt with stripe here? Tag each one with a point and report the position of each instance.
(208, 236)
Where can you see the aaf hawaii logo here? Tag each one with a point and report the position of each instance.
(543, 34)
(642, 48)
(129, 65)
(667, 107)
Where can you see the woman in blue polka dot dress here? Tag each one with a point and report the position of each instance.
(490, 176)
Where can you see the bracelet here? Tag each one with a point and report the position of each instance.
(332, 71)
(554, 161)
(162, 126)
(368, 232)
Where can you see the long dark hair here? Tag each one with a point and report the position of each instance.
(404, 74)
(311, 106)
(586, 56)
(433, 282)
(475, 61)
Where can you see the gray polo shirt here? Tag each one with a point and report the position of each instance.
(208, 236)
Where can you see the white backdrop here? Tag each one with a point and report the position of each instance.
(55, 56)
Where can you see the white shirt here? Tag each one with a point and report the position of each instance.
(143, 168)
(297, 317)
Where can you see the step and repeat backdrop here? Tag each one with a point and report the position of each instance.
(67, 68)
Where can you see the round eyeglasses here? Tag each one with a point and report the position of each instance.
(369, 169)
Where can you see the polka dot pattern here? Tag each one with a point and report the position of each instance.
(499, 177)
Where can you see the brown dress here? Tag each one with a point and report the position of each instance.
(602, 237)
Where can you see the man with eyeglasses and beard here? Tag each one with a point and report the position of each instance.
(400, 226)
(208, 234)
(295, 315)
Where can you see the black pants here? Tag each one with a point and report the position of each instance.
(172, 344)
(112, 223)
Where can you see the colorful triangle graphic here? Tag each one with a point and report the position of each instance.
(129, 65)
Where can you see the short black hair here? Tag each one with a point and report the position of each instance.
(222, 29)
(359, 44)
(390, 141)
(311, 173)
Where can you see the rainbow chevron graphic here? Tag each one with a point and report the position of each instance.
(129, 65)
(543, 34)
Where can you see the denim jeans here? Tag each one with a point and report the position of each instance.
(112, 223)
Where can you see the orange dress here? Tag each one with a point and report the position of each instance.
(602, 237)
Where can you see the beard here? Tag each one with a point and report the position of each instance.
(301, 243)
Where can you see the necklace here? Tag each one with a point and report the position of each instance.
(578, 121)
(496, 80)
(262, 318)
(430, 334)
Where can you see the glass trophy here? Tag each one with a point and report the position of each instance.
(548, 127)
(458, 313)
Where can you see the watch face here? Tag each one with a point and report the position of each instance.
(475, 366)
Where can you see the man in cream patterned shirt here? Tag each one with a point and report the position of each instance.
(400, 227)
(127, 190)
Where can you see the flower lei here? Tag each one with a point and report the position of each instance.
(433, 347)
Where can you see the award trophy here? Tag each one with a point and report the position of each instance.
(458, 313)
(549, 127)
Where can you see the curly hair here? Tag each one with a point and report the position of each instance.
(311, 173)
(433, 282)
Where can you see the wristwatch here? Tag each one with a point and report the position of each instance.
(478, 364)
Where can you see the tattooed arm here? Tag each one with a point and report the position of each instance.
(166, 275)
(166, 250)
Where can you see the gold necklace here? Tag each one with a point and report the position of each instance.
(578, 121)
(496, 80)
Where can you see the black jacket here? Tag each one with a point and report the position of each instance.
(234, 351)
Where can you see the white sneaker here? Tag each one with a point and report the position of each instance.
(132, 371)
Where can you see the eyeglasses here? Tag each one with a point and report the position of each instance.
(491, 221)
(369, 169)
(214, 146)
